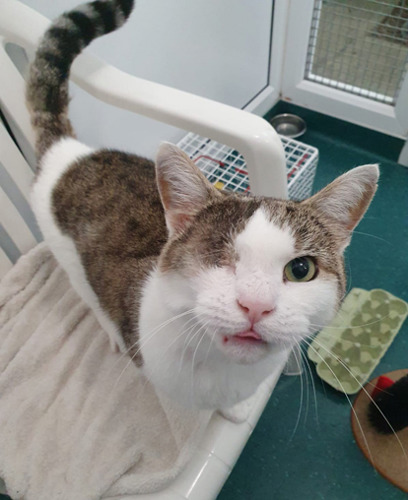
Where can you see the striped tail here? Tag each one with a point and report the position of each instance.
(47, 86)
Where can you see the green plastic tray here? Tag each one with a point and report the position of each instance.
(347, 351)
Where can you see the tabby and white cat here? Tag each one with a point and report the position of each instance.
(203, 288)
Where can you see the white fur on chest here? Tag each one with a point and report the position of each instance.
(53, 165)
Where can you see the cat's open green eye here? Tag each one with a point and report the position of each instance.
(300, 269)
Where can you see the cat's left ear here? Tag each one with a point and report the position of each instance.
(183, 189)
(343, 203)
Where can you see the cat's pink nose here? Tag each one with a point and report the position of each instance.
(255, 309)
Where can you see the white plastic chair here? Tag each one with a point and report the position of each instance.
(249, 134)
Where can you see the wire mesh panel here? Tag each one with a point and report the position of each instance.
(359, 46)
(226, 168)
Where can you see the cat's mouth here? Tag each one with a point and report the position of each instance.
(246, 338)
(245, 347)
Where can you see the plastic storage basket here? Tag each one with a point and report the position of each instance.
(226, 168)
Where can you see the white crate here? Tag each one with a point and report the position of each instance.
(226, 168)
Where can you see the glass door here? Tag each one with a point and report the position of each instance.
(349, 59)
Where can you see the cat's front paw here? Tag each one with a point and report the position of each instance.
(240, 412)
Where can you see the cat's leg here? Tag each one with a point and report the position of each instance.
(69, 259)
(85, 291)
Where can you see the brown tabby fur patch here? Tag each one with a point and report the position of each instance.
(109, 205)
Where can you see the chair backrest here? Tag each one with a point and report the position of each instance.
(18, 229)
(20, 30)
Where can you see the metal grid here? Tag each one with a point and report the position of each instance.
(359, 46)
(226, 168)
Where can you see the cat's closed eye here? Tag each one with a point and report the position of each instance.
(301, 269)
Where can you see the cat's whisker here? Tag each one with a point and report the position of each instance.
(303, 365)
(299, 414)
(189, 338)
(348, 342)
(209, 347)
(368, 395)
(303, 374)
(378, 320)
(180, 334)
(187, 326)
(152, 369)
(306, 363)
(341, 314)
(349, 280)
(191, 335)
(122, 372)
(165, 323)
(148, 338)
(157, 329)
(356, 343)
(312, 335)
(372, 236)
(197, 332)
(194, 355)
(349, 401)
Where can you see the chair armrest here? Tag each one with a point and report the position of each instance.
(251, 135)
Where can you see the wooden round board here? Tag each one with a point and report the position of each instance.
(388, 454)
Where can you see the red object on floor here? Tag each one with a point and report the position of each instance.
(383, 383)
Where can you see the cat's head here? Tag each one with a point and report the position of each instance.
(258, 272)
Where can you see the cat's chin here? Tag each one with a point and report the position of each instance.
(246, 347)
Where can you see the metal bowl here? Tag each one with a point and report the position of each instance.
(288, 125)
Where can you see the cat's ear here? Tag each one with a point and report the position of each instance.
(344, 202)
(183, 189)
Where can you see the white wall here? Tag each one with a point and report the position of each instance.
(214, 48)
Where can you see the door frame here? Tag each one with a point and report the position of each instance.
(271, 93)
(389, 119)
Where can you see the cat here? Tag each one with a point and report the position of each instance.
(204, 289)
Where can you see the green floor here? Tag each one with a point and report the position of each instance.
(321, 460)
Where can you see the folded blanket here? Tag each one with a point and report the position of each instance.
(76, 420)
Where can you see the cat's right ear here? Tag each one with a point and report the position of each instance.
(183, 189)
